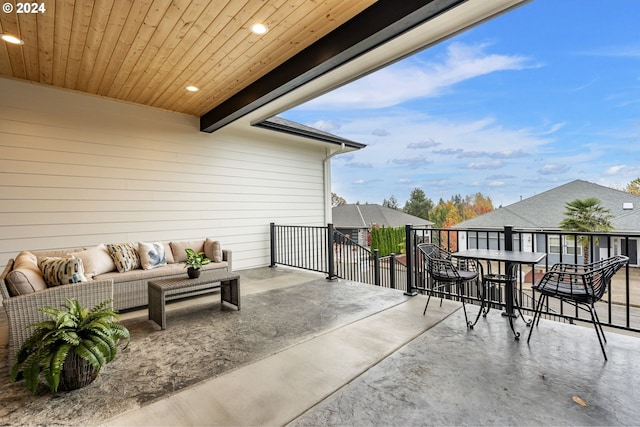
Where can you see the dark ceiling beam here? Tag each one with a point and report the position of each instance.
(376, 25)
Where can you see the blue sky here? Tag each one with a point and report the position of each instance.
(530, 100)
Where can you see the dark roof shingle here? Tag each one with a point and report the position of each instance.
(546, 210)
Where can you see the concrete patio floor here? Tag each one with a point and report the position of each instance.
(398, 367)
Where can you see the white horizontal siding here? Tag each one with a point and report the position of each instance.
(77, 170)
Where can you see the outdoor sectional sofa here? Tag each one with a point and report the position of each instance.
(121, 272)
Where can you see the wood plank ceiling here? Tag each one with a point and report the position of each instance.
(148, 51)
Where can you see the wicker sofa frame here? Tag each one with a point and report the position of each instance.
(22, 310)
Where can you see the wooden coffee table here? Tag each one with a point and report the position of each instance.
(163, 290)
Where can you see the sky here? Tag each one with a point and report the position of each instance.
(530, 100)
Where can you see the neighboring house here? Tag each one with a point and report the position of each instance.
(357, 220)
(100, 140)
(544, 211)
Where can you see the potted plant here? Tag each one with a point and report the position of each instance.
(69, 349)
(195, 261)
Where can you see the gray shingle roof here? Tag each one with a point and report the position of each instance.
(363, 216)
(281, 124)
(546, 210)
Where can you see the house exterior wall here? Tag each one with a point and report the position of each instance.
(78, 170)
(542, 243)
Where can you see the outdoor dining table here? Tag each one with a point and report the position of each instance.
(507, 257)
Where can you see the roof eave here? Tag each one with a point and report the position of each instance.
(375, 26)
(309, 133)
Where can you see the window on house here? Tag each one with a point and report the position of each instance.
(568, 245)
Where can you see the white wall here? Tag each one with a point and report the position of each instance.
(78, 170)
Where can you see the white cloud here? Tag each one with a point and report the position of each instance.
(380, 132)
(495, 164)
(412, 161)
(364, 165)
(551, 169)
(409, 80)
(325, 125)
(553, 129)
(614, 170)
(423, 144)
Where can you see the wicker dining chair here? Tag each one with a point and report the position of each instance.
(444, 271)
(579, 285)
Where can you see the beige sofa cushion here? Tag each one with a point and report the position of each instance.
(178, 249)
(160, 272)
(95, 260)
(62, 271)
(167, 253)
(56, 252)
(25, 277)
(140, 274)
(213, 250)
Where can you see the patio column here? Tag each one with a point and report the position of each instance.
(331, 266)
(408, 240)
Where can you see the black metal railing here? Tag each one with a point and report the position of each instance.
(324, 249)
(327, 250)
(621, 308)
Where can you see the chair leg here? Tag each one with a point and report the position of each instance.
(427, 304)
(487, 308)
(599, 324)
(481, 287)
(598, 328)
(464, 308)
(515, 298)
(536, 315)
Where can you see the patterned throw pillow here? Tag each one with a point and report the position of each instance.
(62, 271)
(124, 255)
(152, 255)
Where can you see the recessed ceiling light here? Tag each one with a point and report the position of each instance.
(192, 88)
(11, 39)
(259, 28)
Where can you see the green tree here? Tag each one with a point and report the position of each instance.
(391, 203)
(418, 204)
(633, 187)
(586, 215)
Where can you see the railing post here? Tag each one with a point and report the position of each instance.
(331, 267)
(272, 243)
(508, 291)
(392, 271)
(376, 267)
(411, 291)
(508, 237)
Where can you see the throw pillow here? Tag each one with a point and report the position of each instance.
(178, 249)
(213, 250)
(167, 253)
(151, 255)
(95, 260)
(124, 255)
(62, 271)
(25, 276)
(22, 281)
